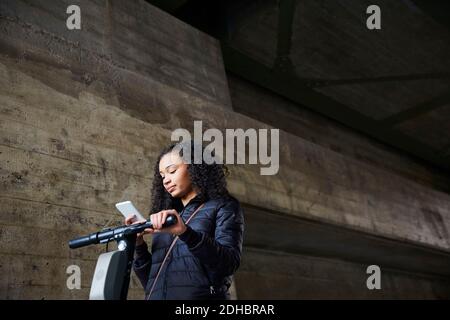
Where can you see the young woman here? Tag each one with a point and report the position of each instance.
(207, 251)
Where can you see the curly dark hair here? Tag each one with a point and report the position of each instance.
(209, 179)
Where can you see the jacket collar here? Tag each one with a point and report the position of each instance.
(192, 204)
(194, 201)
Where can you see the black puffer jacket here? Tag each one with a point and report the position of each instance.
(204, 258)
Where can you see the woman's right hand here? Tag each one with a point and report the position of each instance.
(140, 236)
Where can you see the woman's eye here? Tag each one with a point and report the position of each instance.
(172, 171)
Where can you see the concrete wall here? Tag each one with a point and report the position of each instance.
(282, 275)
(83, 116)
(84, 113)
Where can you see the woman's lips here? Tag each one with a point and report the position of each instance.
(171, 189)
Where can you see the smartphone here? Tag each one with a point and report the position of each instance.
(128, 209)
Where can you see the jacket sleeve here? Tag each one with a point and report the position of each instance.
(222, 253)
(142, 263)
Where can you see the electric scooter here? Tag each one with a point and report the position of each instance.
(112, 273)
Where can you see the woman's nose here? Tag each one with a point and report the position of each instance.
(166, 180)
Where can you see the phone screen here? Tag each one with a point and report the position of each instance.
(128, 209)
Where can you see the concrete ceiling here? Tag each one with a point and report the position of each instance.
(392, 84)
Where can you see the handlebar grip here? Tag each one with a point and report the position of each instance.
(170, 221)
(83, 241)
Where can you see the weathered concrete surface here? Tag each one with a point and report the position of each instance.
(83, 115)
(281, 275)
(292, 258)
(250, 100)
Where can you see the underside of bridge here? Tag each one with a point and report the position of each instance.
(364, 120)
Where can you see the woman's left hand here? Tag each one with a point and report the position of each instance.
(157, 220)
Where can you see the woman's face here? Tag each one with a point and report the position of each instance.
(175, 175)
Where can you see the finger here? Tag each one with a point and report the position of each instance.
(129, 220)
(174, 212)
(155, 225)
(153, 220)
(163, 218)
(160, 221)
(138, 222)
